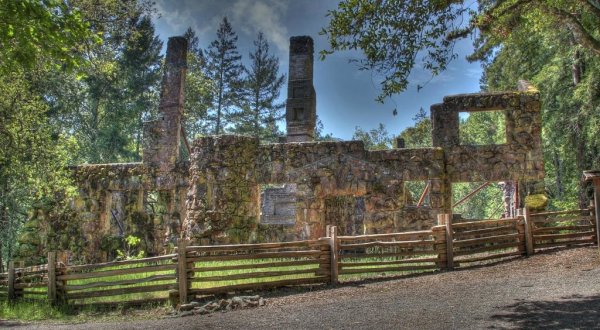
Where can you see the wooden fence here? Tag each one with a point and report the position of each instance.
(205, 270)
(565, 228)
(398, 252)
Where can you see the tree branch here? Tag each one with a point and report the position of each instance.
(583, 37)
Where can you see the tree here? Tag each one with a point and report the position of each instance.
(198, 89)
(375, 139)
(104, 107)
(224, 68)
(35, 37)
(48, 31)
(393, 34)
(419, 135)
(566, 75)
(140, 67)
(260, 110)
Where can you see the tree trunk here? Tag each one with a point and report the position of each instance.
(558, 166)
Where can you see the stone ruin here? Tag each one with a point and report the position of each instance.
(235, 190)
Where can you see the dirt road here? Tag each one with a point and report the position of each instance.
(554, 290)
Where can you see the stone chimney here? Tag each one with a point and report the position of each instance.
(162, 136)
(301, 109)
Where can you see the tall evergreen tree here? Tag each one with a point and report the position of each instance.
(198, 89)
(260, 110)
(224, 68)
(140, 64)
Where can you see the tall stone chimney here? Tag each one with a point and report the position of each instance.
(162, 136)
(301, 109)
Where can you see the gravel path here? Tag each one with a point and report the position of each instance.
(554, 290)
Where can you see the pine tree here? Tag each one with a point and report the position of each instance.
(224, 69)
(140, 64)
(198, 88)
(262, 85)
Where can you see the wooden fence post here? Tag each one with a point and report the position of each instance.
(333, 244)
(52, 277)
(597, 210)
(439, 245)
(182, 277)
(63, 261)
(11, 280)
(528, 232)
(449, 240)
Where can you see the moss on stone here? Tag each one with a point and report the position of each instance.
(536, 202)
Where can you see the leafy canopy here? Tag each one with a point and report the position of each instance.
(395, 36)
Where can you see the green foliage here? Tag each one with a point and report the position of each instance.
(34, 32)
(486, 204)
(419, 135)
(391, 34)
(375, 139)
(394, 36)
(260, 110)
(567, 75)
(482, 128)
(131, 244)
(224, 69)
(198, 89)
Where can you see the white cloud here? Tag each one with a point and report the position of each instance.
(265, 16)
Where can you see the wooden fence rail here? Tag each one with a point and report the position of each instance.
(206, 270)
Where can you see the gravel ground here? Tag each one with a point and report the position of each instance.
(553, 290)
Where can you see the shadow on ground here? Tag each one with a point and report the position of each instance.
(574, 312)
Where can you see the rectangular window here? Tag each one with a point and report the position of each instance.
(415, 191)
(477, 200)
(482, 127)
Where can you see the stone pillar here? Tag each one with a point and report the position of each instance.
(161, 136)
(301, 113)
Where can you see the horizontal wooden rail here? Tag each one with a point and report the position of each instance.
(563, 236)
(397, 236)
(544, 214)
(484, 240)
(253, 275)
(400, 244)
(344, 270)
(550, 229)
(115, 272)
(386, 254)
(480, 223)
(567, 243)
(489, 248)
(262, 255)
(120, 291)
(259, 265)
(120, 263)
(263, 246)
(390, 262)
(257, 286)
(564, 219)
(488, 257)
(138, 281)
(481, 232)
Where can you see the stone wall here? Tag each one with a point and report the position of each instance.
(224, 199)
(520, 158)
(234, 190)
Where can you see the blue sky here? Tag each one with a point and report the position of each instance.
(345, 95)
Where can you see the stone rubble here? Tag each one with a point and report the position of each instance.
(221, 305)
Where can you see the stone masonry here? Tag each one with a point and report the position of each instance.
(236, 190)
(301, 113)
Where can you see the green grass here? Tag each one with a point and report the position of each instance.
(32, 311)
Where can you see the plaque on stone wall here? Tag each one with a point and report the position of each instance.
(278, 204)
